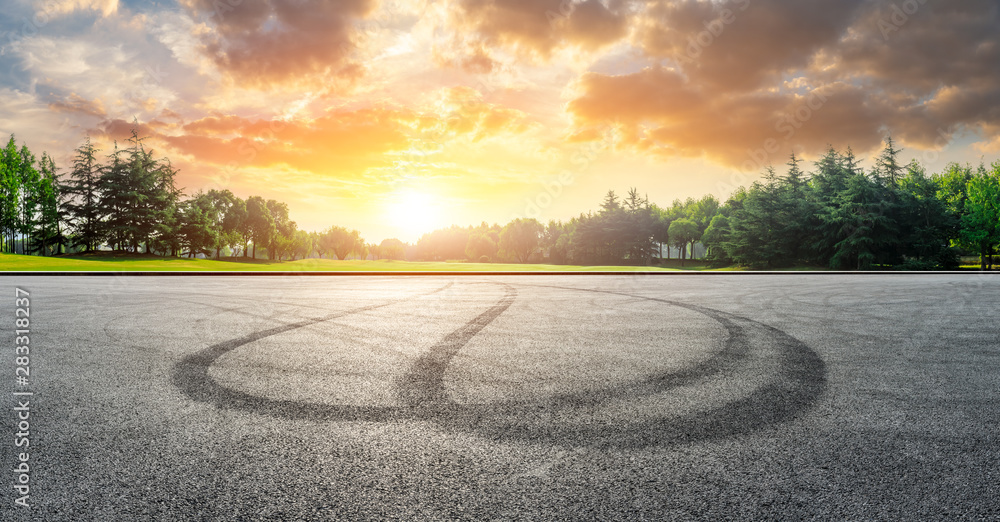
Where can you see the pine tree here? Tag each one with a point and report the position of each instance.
(863, 229)
(888, 171)
(83, 192)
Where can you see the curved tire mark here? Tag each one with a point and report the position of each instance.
(191, 377)
(798, 384)
(423, 385)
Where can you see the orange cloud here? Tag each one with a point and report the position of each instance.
(657, 111)
(342, 143)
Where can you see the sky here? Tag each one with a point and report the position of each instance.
(395, 117)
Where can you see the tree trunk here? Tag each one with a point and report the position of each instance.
(255, 250)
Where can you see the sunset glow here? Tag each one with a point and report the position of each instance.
(396, 116)
(413, 213)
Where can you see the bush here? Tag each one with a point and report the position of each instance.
(946, 259)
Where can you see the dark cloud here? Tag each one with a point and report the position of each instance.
(743, 72)
(537, 28)
(742, 44)
(268, 42)
(937, 60)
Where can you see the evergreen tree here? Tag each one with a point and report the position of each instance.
(755, 239)
(83, 198)
(888, 171)
(859, 218)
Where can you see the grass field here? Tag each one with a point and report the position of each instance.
(122, 262)
(143, 263)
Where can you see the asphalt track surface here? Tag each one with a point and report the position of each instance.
(708, 397)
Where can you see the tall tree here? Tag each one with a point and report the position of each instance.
(28, 179)
(10, 194)
(48, 232)
(83, 198)
(863, 228)
(888, 169)
(755, 224)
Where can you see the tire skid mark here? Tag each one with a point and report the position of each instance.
(735, 350)
(423, 385)
(191, 377)
(799, 382)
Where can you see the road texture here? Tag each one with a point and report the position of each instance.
(713, 397)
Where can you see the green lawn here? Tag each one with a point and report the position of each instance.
(141, 263)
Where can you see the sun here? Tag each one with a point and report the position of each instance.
(413, 213)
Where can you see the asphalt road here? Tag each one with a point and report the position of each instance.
(712, 397)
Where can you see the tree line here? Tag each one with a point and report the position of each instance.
(838, 215)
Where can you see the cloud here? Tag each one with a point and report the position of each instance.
(743, 72)
(742, 44)
(79, 105)
(274, 42)
(65, 7)
(938, 63)
(462, 112)
(536, 28)
(341, 144)
(658, 111)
